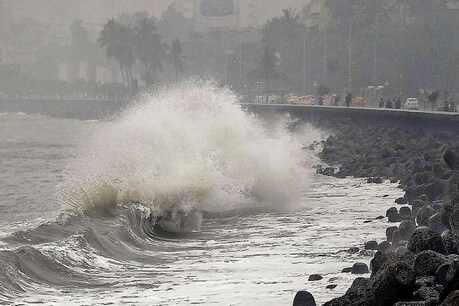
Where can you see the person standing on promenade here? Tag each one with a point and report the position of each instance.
(388, 103)
(348, 99)
(452, 105)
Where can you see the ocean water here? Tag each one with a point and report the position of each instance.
(183, 199)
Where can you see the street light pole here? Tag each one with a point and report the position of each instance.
(376, 47)
(304, 64)
(240, 62)
(350, 55)
(325, 56)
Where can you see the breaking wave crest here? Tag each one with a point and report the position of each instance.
(185, 150)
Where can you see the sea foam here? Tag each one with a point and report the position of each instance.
(189, 148)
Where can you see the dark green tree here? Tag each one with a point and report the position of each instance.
(119, 42)
(149, 48)
(176, 57)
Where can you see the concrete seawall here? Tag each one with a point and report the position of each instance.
(78, 109)
(100, 109)
(359, 114)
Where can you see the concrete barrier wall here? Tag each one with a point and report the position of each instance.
(359, 114)
(99, 109)
(78, 109)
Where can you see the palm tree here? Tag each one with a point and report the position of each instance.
(118, 41)
(267, 67)
(176, 57)
(150, 49)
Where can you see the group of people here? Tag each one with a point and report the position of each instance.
(396, 103)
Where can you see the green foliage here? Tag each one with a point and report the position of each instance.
(322, 90)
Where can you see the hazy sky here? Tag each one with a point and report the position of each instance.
(98, 11)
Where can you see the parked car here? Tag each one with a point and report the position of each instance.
(359, 101)
(293, 100)
(328, 99)
(275, 99)
(306, 100)
(412, 103)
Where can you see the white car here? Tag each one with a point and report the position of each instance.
(412, 103)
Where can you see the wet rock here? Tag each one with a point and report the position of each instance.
(417, 204)
(396, 238)
(438, 170)
(451, 159)
(424, 213)
(389, 232)
(374, 180)
(435, 189)
(394, 282)
(401, 251)
(427, 294)
(452, 299)
(401, 201)
(378, 260)
(450, 241)
(427, 262)
(406, 229)
(359, 284)
(426, 280)
(383, 246)
(329, 171)
(452, 277)
(454, 222)
(347, 270)
(371, 245)
(353, 250)
(314, 277)
(440, 273)
(379, 217)
(394, 217)
(332, 286)
(359, 268)
(446, 213)
(422, 177)
(436, 224)
(391, 211)
(424, 239)
(304, 298)
(405, 211)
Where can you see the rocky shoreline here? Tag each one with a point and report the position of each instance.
(418, 264)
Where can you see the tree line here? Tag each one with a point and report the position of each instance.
(140, 42)
(404, 45)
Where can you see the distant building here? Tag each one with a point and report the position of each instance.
(315, 13)
(72, 71)
(235, 13)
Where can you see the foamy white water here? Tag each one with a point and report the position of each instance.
(170, 156)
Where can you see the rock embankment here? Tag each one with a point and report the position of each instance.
(419, 262)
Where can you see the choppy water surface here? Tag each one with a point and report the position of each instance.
(164, 207)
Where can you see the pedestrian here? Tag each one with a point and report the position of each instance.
(348, 99)
(381, 103)
(336, 100)
(452, 105)
(388, 103)
(446, 106)
(397, 103)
